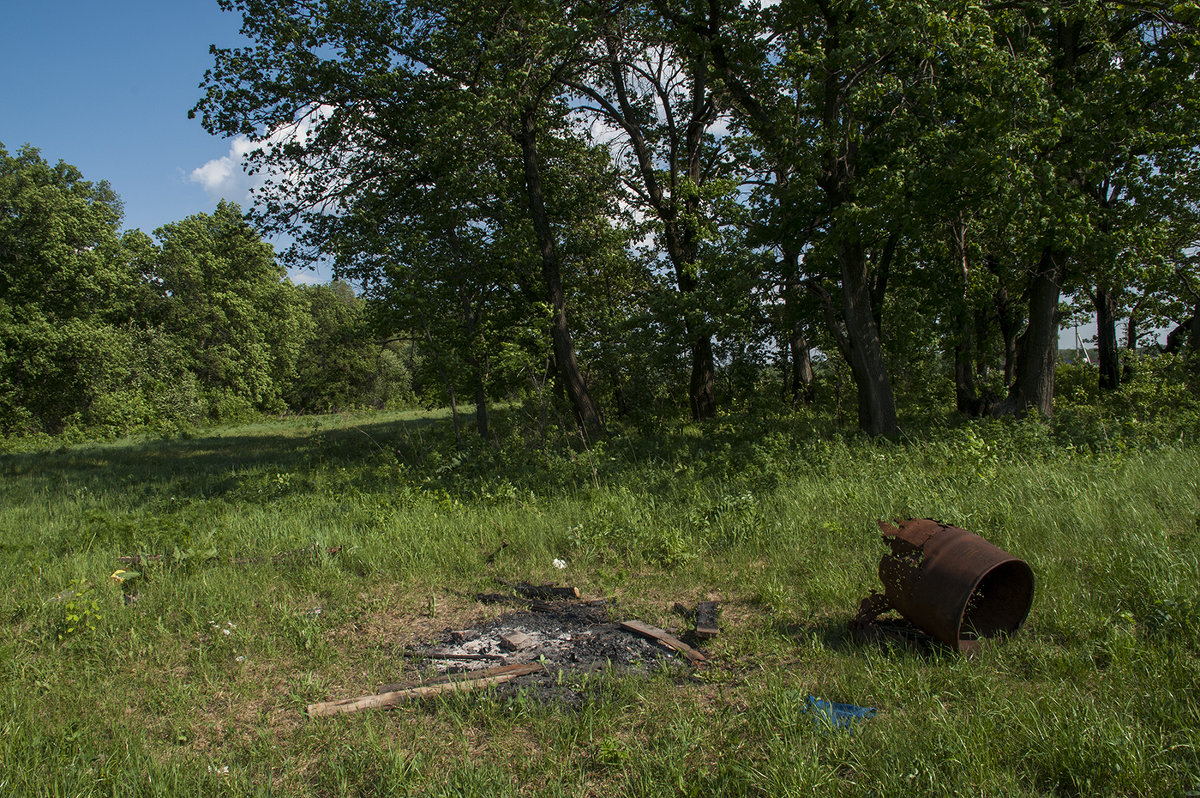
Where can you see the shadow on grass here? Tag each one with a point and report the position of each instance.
(216, 464)
(735, 457)
(835, 634)
(210, 466)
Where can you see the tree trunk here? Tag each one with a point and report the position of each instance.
(876, 403)
(1194, 336)
(983, 327)
(458, 441)
(702, 392)
(802, 370)
(1106, 327)
(1037, 352)
(1131, 336)
(966, 395)
(565, 361)
(800, 354)
(481, 403)
(1194, 330)
(1008, 323)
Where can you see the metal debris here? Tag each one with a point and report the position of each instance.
(950, 583)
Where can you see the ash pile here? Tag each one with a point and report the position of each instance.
(549, 648)
(579, 636)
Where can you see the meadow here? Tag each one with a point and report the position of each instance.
(198, 686)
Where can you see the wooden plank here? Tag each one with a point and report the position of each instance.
(706, 620)
(668, 640)
(472, 681)
(408, 684)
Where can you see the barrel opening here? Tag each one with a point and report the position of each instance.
(1000, 601)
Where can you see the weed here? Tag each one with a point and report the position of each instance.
(74, 612)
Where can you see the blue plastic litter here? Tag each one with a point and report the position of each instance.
(837, 716)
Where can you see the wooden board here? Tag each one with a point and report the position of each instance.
(668, 640)
(470, 681)
(706, 620)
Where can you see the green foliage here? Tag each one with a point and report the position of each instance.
(239, 326)
(105, 336)
(74, 613)
(66, 295)
(726, 185)
(1157, 407)
(339, 363)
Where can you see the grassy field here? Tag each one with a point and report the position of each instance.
(199, 686)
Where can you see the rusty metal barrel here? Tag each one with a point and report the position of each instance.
(953, 584)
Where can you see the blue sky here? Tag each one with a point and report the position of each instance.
(106, 86)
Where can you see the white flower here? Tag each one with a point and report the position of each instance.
(559, 564)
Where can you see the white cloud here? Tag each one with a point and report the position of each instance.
(226, 178)
(306, 277)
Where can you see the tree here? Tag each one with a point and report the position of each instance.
(337, 362)
(328, 89)
(833, 94)
(1116, 124)
(239, 325)
(659, 100)
(67, 296)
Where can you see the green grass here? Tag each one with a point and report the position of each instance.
(211, 667)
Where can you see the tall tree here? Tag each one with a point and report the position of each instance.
(241, 327)
(1117, 110)
(832, 93)
(658, 100)
(328, 87)
(337, 364)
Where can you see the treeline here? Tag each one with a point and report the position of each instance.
(107, 332)
(647, 199)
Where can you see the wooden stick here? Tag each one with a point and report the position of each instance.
(668, 640)
(706, 620)
(473, 681)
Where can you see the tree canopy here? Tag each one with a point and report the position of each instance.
(654, 204)
(111, 332)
